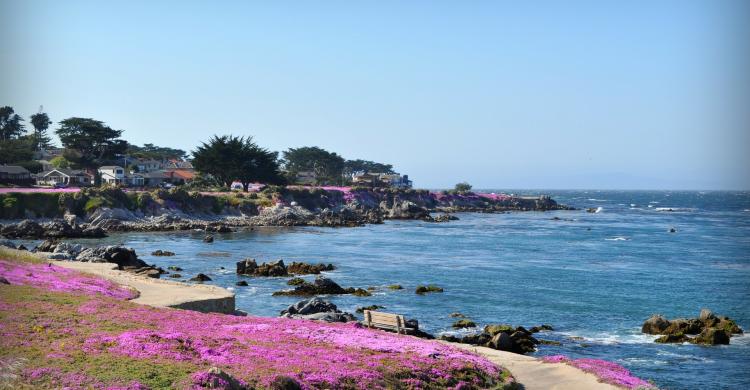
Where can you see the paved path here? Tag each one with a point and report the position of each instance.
(162, 293)
(533, 374)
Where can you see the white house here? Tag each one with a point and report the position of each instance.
(148, 165)
(63, 176)
(112, 174)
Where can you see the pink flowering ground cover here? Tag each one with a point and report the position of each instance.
(607, 372)
(69, 331)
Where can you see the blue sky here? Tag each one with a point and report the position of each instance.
(577, 94)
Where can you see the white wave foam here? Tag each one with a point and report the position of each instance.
(599, 210)
(617, 239)
(607, 338)
(673, 209)
(654, 202)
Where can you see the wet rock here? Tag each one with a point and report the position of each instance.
(360, 292)
(672, 338)
(47, 245)
(3, 280)
(241, 283)
(464, 323)
(549, 342)
(706, 315)
(176, 276)
(395, 287)
(656, 324)
(208, 238)
(22, 248)
(149, 272)
(456, 315)
(712, 336)
(295, 281)
(495, 329)
(683, 325)
(371, 307)
(444, 218)
(24, 229)
(421, 290)
(321, 286)
(540, 328)
(307, 269)
(174, 268)
(200, 278)
(160, 252)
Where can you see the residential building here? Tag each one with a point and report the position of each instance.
(148, 165)
(135, 179)
(154, 178)
(178, 164)
(64, 176)
(394, 180)
(112, 174)
(180, 176)
(14, 174)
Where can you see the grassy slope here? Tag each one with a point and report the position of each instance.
(81, 339)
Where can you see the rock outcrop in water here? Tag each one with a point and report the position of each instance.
(278, 268)
(707, 329)
(322, 286)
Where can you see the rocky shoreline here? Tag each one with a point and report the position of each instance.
(178, 210)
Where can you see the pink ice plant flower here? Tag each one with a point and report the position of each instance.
(607, 372)
(55, 278)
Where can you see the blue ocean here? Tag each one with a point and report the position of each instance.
(595, 277)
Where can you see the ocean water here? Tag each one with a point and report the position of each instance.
(595, 277)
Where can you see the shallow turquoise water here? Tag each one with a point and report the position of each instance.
(595, 276)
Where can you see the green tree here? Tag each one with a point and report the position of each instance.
(462, 188)
(352, 166)
(328, 166)
(92, 138)
(41, 123)
(11, 126)
(155, 152)
(16, 150)
(60, 162)
(229, 158)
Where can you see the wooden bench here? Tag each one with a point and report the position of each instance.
(388, 321)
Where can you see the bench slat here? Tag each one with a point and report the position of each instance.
(386, 321)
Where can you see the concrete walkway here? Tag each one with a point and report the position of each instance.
(162, 293)
(534, 374)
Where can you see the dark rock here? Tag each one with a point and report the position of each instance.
(321, 286)
(306, 269)
(316, 309)
(160, 252)
(495, 329)
(672, 230)
(174, 268)
(24, 229)
(672, 338)
(22, 248)
(712, 336)
(683, 325)
(123, 257)
(444, 218)
(371, 307)
(421, 290)
(8, 244)
(3, 280)
(549, 342)
(456, 315)
(150, 272)
(47, 245)
(540, 328)
(460, 324)
(175, 276)
(295, 281)
(285, 383)
(359, 292)
(241, 283)
(200, 278)
(656, 324)
(395, 287)
(208, 238)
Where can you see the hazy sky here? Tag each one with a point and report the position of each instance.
(563, 94)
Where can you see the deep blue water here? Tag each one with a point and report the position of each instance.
(594, 276)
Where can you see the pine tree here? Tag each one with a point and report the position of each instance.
(41, 123)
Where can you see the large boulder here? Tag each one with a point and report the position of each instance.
(656, 324)
(712, 336)
(24, 229)
(8, 244)
(123, 257)
(321, 286)
(316, 309)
